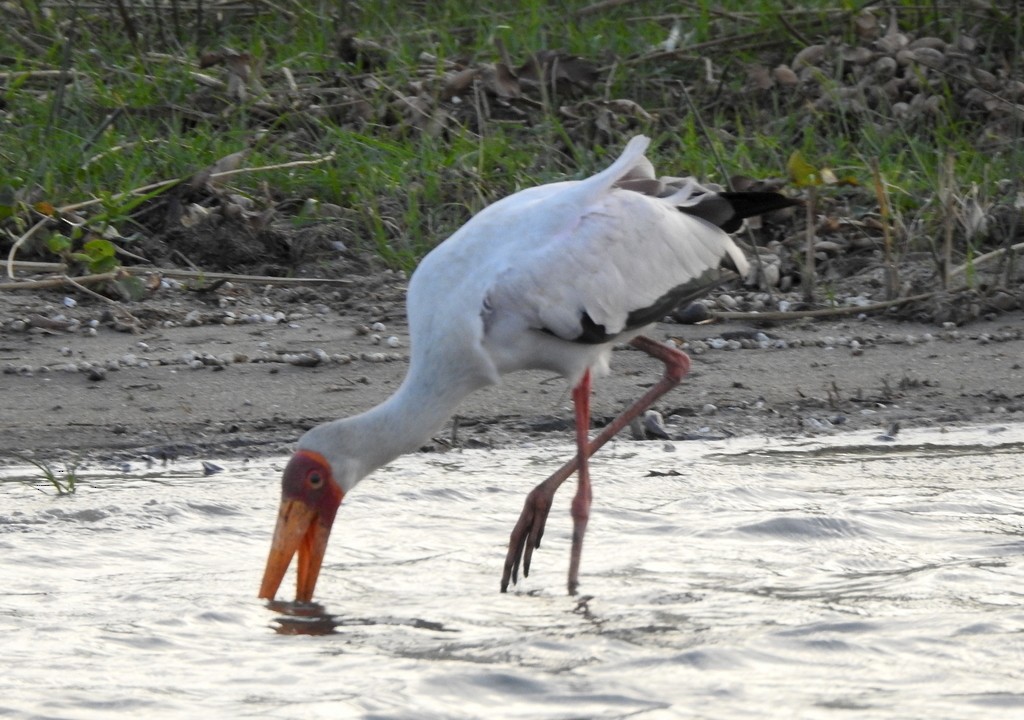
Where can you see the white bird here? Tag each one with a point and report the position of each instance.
(549, 278)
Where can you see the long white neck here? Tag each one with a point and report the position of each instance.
(358, 445)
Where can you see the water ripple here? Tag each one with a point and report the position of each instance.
(832, 578)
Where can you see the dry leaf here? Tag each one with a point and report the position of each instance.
(567, 71)
(458, 83)
(238, 74)
(500, 81)
(204, 178)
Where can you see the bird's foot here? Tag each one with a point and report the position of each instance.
(526, 535)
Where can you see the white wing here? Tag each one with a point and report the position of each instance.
(592, 260)
(559, 272)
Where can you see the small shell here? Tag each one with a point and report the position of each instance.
(933, 43)
(929, 56)
(810, 56)
(884, 67)
(785, 76)
(858, 55)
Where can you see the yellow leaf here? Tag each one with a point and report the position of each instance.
(801, 172)
(45, 208)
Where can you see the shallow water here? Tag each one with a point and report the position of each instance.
(838, 578)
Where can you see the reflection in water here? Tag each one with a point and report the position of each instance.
(747, 578)
(298, 618)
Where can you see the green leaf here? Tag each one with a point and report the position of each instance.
(58, 244)
(80, 257)
(99, 248)
(103, 264)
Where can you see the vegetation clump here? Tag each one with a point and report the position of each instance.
(304, 138)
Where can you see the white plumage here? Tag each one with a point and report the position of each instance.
(541, 258)
(548, 278)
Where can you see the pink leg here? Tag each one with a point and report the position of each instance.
(529, 529)
(580, 503)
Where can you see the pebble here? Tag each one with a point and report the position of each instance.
(302, 359)
(394, 342)
(378, 327)
(692, 314)
(728, 302)
(816, 424)
(709, 409)
(654, 425)
(379, 357)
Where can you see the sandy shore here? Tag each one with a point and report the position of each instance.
(247, 389)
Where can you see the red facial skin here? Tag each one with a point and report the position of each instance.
(309, 501)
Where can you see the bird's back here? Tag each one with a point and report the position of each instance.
(551, 277)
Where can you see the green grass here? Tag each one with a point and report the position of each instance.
(64, 482)
(404, 189)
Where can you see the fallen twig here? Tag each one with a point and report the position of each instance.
(986, 257)
(166, 272)
(57, 281)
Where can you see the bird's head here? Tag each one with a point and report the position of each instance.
(310, 496)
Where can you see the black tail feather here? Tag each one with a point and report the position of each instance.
(728, 209)
(748, 204)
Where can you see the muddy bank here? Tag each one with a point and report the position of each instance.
(193, 384)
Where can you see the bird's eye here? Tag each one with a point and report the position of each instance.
(315, 480)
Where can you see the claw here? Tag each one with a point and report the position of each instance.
(526, 535)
